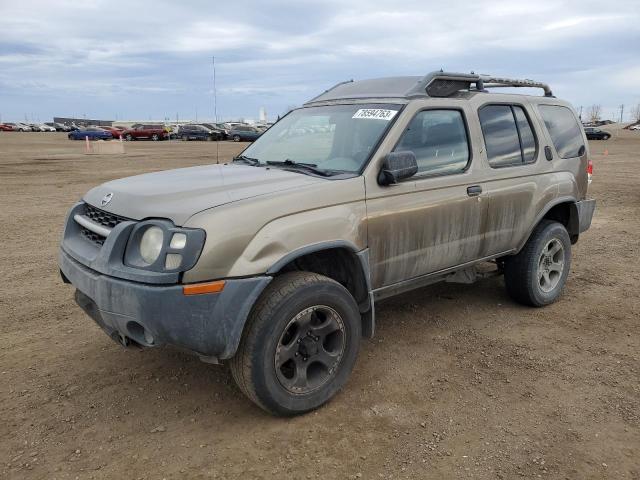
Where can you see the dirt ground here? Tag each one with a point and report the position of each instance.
(460, 382)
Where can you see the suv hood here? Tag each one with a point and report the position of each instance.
(179, 194)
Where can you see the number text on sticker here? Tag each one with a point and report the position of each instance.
(375, 113)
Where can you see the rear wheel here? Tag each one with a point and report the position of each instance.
(128, 137)
(236, 138)
(536, 276)
(184, 138)
(606, 137)
(155, 137)
(300, 344)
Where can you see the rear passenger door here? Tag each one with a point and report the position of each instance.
(512, 154)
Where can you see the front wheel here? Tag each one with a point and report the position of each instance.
(300, 344)
(129, 137)
(606, 137)
(536, 276)
(155, 137)
(236, 138)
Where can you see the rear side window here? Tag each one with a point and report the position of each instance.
(438, 138)
(563, 128)
(508, 135)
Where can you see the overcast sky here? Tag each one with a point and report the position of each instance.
(141, 60)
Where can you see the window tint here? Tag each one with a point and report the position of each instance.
(563, 128)
(500, 135)
(438, 139)
(508, 135)
(527, 139)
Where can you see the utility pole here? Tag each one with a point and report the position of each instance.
(580, 114)
(621, 112)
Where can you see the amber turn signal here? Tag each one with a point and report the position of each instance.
(200, 288)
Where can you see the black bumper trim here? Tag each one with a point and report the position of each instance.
(586, 208)
(209, 325)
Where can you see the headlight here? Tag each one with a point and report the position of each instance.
(151, 244)
(160, 246)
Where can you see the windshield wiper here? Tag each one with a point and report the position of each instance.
(310, 167)
(248, 160)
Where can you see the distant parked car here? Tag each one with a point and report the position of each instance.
(43, 127)
(6, 127)
(635, 127)
(244, 133)
(116, 132)
(60, 127)
(198, 132)
(94, 133)
(215, 128)
(36, 127)
(149, 132)
(596, 134)
(21, 127)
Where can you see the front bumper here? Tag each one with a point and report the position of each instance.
(209, 325)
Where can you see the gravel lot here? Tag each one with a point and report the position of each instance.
(459, 382)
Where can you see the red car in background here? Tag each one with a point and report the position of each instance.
(115, 131)
(6, 128)
(149, 132)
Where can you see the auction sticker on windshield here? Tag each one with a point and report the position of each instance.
(375, 113)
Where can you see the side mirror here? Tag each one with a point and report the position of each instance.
(397, 166)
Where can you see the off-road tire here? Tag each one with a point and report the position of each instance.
(521, 271)
(254, 365)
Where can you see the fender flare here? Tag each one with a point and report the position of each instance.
(573, 218)
(367, 309)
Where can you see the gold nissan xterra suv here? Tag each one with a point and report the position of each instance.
(274, 262)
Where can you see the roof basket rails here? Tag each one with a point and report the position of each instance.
(444, 84)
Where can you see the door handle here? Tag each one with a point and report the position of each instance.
(474, 190)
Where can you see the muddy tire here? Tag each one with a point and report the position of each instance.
(536, 276)
(299, 345)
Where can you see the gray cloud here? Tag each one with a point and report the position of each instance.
(144, 59)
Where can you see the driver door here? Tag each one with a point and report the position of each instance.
(435, 219)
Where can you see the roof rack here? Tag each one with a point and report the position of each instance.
(443, 84)
(329, 89)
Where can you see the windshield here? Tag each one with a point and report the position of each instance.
(336, 138)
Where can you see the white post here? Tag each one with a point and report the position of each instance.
(88, 147)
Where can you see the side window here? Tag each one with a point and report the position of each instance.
(438, 138)
(508, 135)
(527, 140)
(563, 128)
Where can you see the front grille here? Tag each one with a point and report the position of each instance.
(103, 218)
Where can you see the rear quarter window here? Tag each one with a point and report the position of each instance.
(563, 128)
